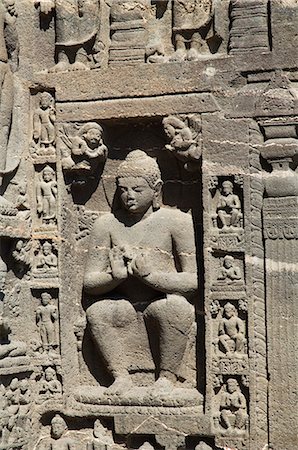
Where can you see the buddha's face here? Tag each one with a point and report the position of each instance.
(136, 194)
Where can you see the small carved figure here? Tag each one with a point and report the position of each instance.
(47, 322)
(126, 272)
(46, 260)
(85, 151)
(50, 387)
(58, 440)
(229, 272)
(44, 126)
(183, 140)
(233, 408)
(103, 439)
(25, 398)
(231, 328)
(22, 203)
(191, 19)
(21, 255)
(77, 25)
(46, 195)
(229, 208)
(9, 348)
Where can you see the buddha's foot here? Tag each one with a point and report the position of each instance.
(163, 384)
(121, 385)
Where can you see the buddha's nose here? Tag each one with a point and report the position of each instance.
(130, 194)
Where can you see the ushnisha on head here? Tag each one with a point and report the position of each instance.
(139, 182)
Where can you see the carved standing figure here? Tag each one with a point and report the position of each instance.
(103, 439)
(232, 328)
(229, 207)
(233, 404)
(44, 124)
(58, 440)
(47, 321)
(132, 276)
(190, 19)
(77, 24)
(46, 195)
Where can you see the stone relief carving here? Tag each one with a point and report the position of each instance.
(21, 253)
(228, 209)
(46, 196)
(46, 260)
(8, 17)
(50, 387)
(128, 31)
(82, 154)
(139, 185)
(245, 14)
(59, 438)
(12, 352)
(159, 335)
(184, 139)
(231, 332)
(103, 438)
(233, 409)
(15, 418)
(47, 322)
(76, 25)
(44, 134)
(191, 22)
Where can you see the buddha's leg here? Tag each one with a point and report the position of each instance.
(112, 324)
(175, 317)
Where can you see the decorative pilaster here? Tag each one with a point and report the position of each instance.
(278, 120)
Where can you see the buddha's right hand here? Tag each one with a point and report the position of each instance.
(119, 269)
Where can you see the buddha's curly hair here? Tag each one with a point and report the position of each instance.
(138, 164)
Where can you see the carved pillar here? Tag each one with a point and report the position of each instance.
(278, 121)
(281, 244)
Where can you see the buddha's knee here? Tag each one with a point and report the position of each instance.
(174, 309)
(115, 313)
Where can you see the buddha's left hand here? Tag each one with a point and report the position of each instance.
(139, 266)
